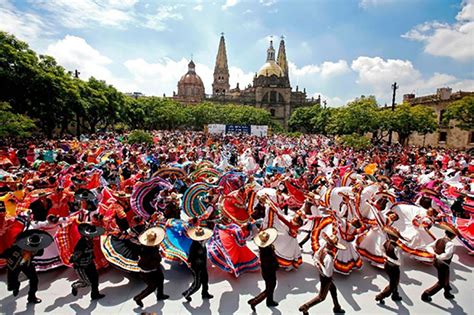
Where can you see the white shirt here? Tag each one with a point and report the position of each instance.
(326, 268)
(448, 250)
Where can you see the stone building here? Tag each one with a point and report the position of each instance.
(271, 88)
(446, 135)
(190, 87)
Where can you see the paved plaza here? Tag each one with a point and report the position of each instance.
(356, 292)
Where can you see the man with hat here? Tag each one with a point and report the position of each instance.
(391, 265)
(83, 260)
(324, 260)
(442, 249)
(149, 263)
(268, 264)
(41, 206)
(198, 260)
(19, 257)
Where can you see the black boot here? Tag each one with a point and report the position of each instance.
(338, 310)
(425, 297)
(97, 296)
(33, 299)
(138, 301)
(272, 303)
(207, 296)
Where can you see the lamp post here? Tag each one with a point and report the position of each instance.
(394, 88)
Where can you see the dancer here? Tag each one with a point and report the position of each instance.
(324, 260)
(198, 261)
(443, 249)
(20, 259)
(392, 265)
(83, 260)
(269, 265)
(149, 263)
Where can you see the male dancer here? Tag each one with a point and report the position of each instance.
(268, 264)
(443, 249)
(324, 259)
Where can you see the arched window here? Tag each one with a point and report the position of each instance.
(272, 112)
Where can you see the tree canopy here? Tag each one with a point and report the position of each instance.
(462, 111)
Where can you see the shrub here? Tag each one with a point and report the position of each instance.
(139, 136)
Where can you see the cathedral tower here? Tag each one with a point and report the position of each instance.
(221, 86)
(281, 60)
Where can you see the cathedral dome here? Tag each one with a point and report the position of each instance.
(270, 68)
(191, 76)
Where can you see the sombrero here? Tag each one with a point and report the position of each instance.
(33, 240)
(333, 240)
(448, 227)
(40, 193)
(429, 192)
(393, 231)
(199, 233)
(266, 237)
(152, 237)
(121, 194)
(90, 230)
(85, 194)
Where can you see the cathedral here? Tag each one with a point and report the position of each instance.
(271, 89)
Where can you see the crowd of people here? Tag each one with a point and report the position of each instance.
(195, 198)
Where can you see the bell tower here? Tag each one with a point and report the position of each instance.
(221, 86)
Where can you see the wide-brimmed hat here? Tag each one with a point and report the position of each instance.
(333, 240)
(447, 227)
(78, 181)
(266, 237)
(86, 195)
(393, 231)
(121, 194)
(33, 240)
(90, 230)
(212, 180)
(40, 193)
(152, 236)
(429, 192)
(199, 233)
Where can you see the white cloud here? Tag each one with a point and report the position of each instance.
(267, 3)
(198, 7)
(373, 3)
(329, 69)
(85, 13)
(25, 26)
(377, 75)
(237, 75)
(75, 53)
(229, 3)
(165, 13)
(330, 101)
(442, 39)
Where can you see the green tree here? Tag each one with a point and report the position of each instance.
(462, 111)
(14, 125)
(407, 119)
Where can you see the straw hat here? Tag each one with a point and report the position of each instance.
(448, 227)
(393, 231)
(266, 237)
(199, 233)
(152, 236)
(212, 180)
(33, 240)
(86, 229)
(333, 240)
(40, 193)
(121, 194)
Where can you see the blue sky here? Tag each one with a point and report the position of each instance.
(340, 49)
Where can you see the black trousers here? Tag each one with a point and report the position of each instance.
(393, 272)
(154, 281)
(270, 285)
(30, 273)
(88, 276)
(327, 285)
(443, 279)
(200, 278)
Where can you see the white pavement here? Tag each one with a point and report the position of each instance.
(356, 292)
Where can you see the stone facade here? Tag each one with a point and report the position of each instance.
(190, 87)
(270, 89)
(445, 136)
